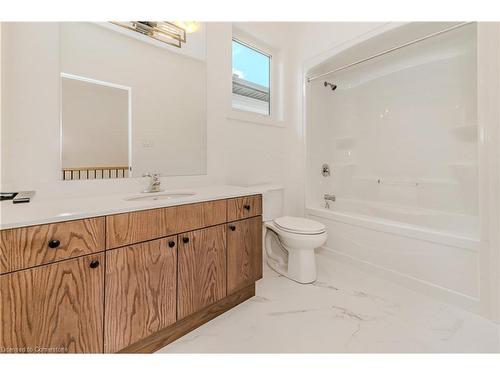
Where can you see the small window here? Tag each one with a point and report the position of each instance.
(251, 79)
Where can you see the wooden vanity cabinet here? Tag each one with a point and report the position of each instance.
(130, 282)
(56, 308)
(202, 269)
(141, 291)
(244, 253)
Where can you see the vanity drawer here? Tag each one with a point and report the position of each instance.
(243, 207)
(128, 228)
(41, 244)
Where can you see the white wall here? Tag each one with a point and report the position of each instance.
(257, 153)
(489, 165)
(301, 45)
(30, 105)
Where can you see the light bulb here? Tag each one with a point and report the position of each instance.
(189, 26)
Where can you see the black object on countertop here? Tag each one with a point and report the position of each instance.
(7, 196)
(24, 196)
(18, 197)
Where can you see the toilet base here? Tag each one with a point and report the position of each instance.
(301, 266)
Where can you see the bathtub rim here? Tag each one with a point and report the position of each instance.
(397, 228)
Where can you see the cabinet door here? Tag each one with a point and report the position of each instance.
(244, 253)
(55, 308)
(202, 269)
(141, 291)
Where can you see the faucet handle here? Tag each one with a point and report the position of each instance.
(154, 176)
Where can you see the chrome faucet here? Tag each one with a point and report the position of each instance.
(154, 183)
(328, 198)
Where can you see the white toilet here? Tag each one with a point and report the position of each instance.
(289, 242)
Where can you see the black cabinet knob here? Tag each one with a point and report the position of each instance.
(246, 207)
(232, 227)
(185, 239)
(171, 243)
(54, 243)
(94, 264)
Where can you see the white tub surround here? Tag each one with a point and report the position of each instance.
(411, 141)
(438, 263)
(43, 210)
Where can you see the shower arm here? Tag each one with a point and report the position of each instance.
(310, 79)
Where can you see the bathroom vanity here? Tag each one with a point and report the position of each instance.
(131, 281)
(88, 266)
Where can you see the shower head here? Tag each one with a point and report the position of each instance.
(332, 85)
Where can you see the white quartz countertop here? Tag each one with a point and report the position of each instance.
(43, 211)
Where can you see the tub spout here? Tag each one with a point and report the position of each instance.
(328, 198)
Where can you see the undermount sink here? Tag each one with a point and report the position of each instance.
(158, 196)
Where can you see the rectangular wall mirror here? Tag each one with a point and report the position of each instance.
(112, 102)
(130, 104)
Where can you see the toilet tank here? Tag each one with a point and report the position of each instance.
(272, 201)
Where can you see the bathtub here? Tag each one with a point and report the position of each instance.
(430, 251)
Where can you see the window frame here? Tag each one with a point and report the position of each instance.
(274, 118)
(270, 108)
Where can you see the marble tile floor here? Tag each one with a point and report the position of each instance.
(345, 311)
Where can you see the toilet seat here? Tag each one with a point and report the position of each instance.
(299, 225)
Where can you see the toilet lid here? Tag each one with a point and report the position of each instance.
(299, 225)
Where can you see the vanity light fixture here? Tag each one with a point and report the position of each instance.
(167, 32)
